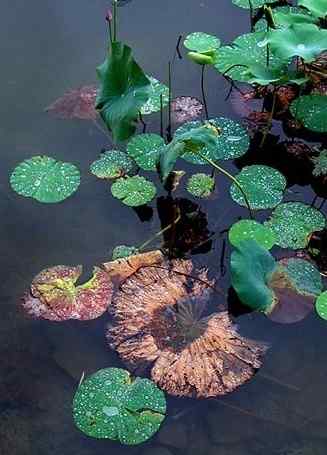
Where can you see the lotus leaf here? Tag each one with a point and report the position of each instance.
(321, 305)
(320, 163)
(285, 16)
(201, 42)
(200, 185)
(124, 251)
(293, 222)
(186, 108)
(113, 164)
(316, 7)
(168, 157)
(45, 179)
(76, 104)
(250, 229)
(133, 191)
(156, 90)
(110, 404)
(145, 149)
(311, 110)
(124, 90)
(264, 187)
(248, 4)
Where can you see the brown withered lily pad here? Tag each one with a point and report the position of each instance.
(161, 324)
(76, 104)
(186, 108)
(54, 295)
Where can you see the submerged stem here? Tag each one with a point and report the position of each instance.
(162, 231)
(270, 119)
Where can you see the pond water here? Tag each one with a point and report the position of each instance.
(48, 48)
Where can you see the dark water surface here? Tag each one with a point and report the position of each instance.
(49, 47)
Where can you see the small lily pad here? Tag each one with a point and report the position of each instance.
(145, 149)
(156, 89)
(250, 229)
(124, 251)
(110, 404)
(133, 191)
(320, 164)
(113, 164)
(321, 305)
(264, 187)
(311, 111)
(45, 179)
(200, 185)
(201, 42)
(293, 222)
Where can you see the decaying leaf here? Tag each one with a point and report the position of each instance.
(76, 104)
(186, 108)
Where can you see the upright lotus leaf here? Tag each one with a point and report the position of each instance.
(133, 191)
(316, 7)
(113, 164)
(54, 295)
(293, 222)
(169, 154)
(251, 230)
(299, 40)
(110, 404)
(264, 75)
(311, 111)
(320, 164)
(124, 90)
(200, 185)
(45, 179)
(76, 104)
(264, 187)
(251, 4)
(124, 251)
(201, 42)
(186, 108)
(145, 150)
(156, 91)
(321, 305)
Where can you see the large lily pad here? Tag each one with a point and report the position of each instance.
(251, 4)
(45, 179)
(155, 91)
(145, 149)
(110, 404)
(284, 16)
(113, 164)
(133, 191)
(201, 42)
(321, 305)
(293, 222)
(124, 90)
(264, 187)
(200, 185)
(311, 110)
(76, 104)
(316, 7)
(250, 229)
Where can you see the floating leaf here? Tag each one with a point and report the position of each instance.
(285, 16)
(54, 295)
(264, 187)
(124, 251)
(311, 111)
(316, 7)
(145, 149)
(201, 42)
(124, 90)
(113, 164)
(110, 404)
(133, 191)
(78, 103)
(293, 222)
(320, 163)
(321, 305)
(45, 179)
(186, 108)
(251, 4)
(155, 91)
(250, 229)
(200, 185)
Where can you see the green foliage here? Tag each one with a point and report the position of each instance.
(321, 305)
(145, 149)
(168, 157)
(285, 16)
(133, 191)
(200, 185)
(45, 179)
(320, 163)
(255, 3)
(113, 164)
(156, 89)
(123, 251)
(304, 276)
(202, 43)
(316, 7)
(110, 404)
(201, 59)
(311, 111)
(124, 90)
(251, 230)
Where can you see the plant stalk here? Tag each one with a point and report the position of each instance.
(203, 92)
(270, 120)
(115, 18)
(158, 234)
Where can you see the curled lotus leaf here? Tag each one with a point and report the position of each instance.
(110, 404)
(311, 111)
(113, 164)
(161, 324)
(76, 104)
(316, 7)
(186, 108)
(250, 229)
(293, 222)
(145, 150)
(201, 42)
(133, 191)
(54, 295)
(321, 305)
(200, 185)
(156, 91)
(45, 179)
(123, 251)
(264, 187)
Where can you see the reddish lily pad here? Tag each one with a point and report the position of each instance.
(76, 104)
(186, 108)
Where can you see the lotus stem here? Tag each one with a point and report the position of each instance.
(270, 119)
(177, 47)
(251, 15)
(158, 234)
(161, 116)
(115, 18)
(169, 137)
(279, 382)
(142, 121)
(203, 92)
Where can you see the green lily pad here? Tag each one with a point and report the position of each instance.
(264, 187)
(285, 16)
(255, 3)
(145, 149)
(250, 229)
(113, 164)
(156, 89)
(293, 222)
(316, 7)
(320, 163)
(45, 179)
(123, 251)
(201, 42)
(311, 110)
(200, 185)
(133, 191)
(232, 140)
(110, 404)
(321, 305)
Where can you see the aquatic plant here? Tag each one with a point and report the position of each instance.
(133, 191)
(251, 230)
(320, 164)
(321, 305)
(311, 111)
(76, 104)
(145, 150)
(158, 97)
(113, 164)
(185, 109)
(200, 185)
(316, 7)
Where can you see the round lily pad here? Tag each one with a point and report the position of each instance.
(201, 42)
(321, 305)
(156, 89)
(311, 111)
(253, 4)
(293, 222)
(133, 191)
(113, 164)
(264, 187)
(123, 251)
(45, 179)
(250, 229)
(200, 185)
(144, 148)
(110, 404)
